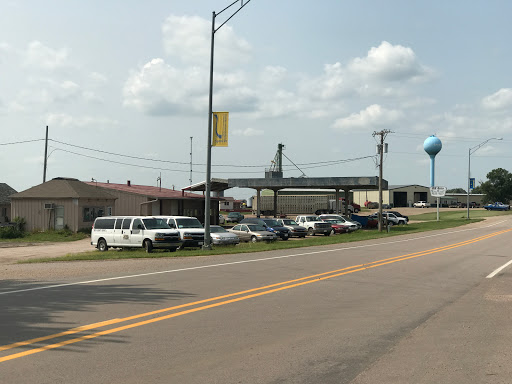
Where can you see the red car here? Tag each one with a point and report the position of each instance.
(337, 226)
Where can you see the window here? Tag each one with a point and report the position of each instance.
(91, 213)
(105, 224)
(109, 211)
(137, 224)
(126, 223)
(237, 227)
(118, 223)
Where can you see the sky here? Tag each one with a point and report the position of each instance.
(123, 86)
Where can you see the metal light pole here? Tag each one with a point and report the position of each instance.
(208, 188)
(470, 152)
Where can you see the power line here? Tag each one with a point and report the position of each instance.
(22, 142)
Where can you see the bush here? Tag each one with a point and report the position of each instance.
(10, 232)
(20, 223)
(86, 230)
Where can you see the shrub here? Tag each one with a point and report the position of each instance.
(20, 223)
(10, 232)
(86, 230)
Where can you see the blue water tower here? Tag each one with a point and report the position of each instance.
(432, 146)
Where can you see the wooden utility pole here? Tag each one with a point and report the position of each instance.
(380, 151)
(45, 155)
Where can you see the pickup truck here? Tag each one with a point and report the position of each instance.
(314, 225)
(498, 206)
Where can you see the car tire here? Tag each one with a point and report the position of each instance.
(310, 232)
(172, 249)
(327, 233)
(148, 246)
(254, 239)
(285, 238)
(102, 245)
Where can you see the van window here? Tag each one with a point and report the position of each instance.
(189, 223)
(105, 224)
(137, 223)
(154, 223)
(126, 223)
(118, 223)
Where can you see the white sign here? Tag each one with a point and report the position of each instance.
(437, 191)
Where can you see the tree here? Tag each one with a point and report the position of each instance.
(498, 186)
(456, 190)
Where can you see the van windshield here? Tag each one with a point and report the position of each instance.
(188, 223)
(154, 223)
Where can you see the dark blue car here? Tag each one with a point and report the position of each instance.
(271, 225)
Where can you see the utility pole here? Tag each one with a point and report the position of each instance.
(45, 155)
(381, 147)
(190, 180)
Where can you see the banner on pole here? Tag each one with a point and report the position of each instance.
(220, 129)
(471, 183)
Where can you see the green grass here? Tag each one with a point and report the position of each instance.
(260, 247)
(458, 215)
(48, 236)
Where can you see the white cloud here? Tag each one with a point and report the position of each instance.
(188, 39)
(389, 62)
(97, 79)
(374, 115)
(499, 100)
(41, 56)
(68, 121)
(248, 132)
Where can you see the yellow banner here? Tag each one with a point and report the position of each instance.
(220, 129)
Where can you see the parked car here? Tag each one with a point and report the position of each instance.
(337, 226)
(222, 219)
(253, 233)
(421, 204)
(190, 229)
(133, 232)
(398, 214)
(314, 225)
(295, 229)
(234, 217)
(351, 225)
(271, 225)
(391, 218)
(220, 236)
(473, 204)
(497, 206)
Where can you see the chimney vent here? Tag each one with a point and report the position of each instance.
(129, 183)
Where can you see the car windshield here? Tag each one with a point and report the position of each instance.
(154, 223)
(256, 227)
(233, 214)
(271, 223)
(188, 223)
(289, 222)
(217, 229)
(312, 218)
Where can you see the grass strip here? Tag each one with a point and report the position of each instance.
(360, 235)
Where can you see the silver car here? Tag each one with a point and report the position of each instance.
(253, 232)
(220, 236)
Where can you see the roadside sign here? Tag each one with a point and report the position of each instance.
(471, 183)
(437, 191)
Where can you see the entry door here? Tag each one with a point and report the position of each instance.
(59, 217)
(137, 232)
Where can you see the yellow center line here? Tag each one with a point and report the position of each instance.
(298, 282)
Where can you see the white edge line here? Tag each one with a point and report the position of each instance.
(242, 262)
(499, 270)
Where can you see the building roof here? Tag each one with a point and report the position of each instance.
(217, 185)
(145, 190)
(63, 188)
(405, 186)
(5, 192)
(309, 183)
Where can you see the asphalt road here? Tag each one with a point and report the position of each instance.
(413, 309)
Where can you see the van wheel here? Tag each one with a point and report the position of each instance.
(310, 232)
(102, 245)
(148, 246)
(254, 239)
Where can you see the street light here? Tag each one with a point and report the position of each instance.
(471, 151)
(207, 241)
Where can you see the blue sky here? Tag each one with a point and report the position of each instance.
(131, 78)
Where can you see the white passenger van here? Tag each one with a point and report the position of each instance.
(191, 230)
(134, 231)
